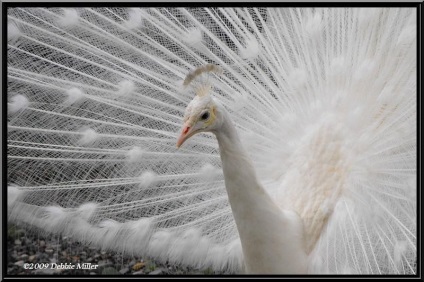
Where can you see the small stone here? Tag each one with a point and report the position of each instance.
(138, 272)
(138, 266)
(42, 243)
(24, 257)
(93, 273)
(18, 242)
(32, 258)
(103, 264)
(19, 263)
(156, 272)
(124, 270)
(49, 251)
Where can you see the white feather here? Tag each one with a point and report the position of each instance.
(134, 154)
(54, 218)
(193, 37)
(13, 194)
(88, 136)
(74, 95)
(108, 232)
(147, 178)
(365, 70)
(313, 26)
(126, 87)
(13, 31)
(399, 251)
(69, 18)
(407, 36)
(159, 244)
(136, 235)
(179, 85)
(18, 102)
(87, 210)
(251, 48)
(208, 172)
(135, 19)
(366, 15)
(298, 78)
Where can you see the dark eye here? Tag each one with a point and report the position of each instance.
(205, 116)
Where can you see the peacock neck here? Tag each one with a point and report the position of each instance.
(237, 166)
(261, 224)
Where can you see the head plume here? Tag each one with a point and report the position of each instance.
(204, 88)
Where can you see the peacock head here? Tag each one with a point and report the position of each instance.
(202, 112)
(201, 115)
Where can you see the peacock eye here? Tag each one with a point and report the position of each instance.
(205, 116)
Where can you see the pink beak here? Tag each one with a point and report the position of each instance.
(185, 134)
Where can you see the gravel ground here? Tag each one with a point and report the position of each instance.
(48, 253)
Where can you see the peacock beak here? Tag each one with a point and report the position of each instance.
(186, 133)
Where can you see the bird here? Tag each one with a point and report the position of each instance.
(250, 204)
(242, 140)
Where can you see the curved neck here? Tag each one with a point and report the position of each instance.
(271, 238)
(237, 165)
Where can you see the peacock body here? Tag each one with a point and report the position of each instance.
(323, 100)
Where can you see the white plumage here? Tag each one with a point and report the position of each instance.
(323, 100)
